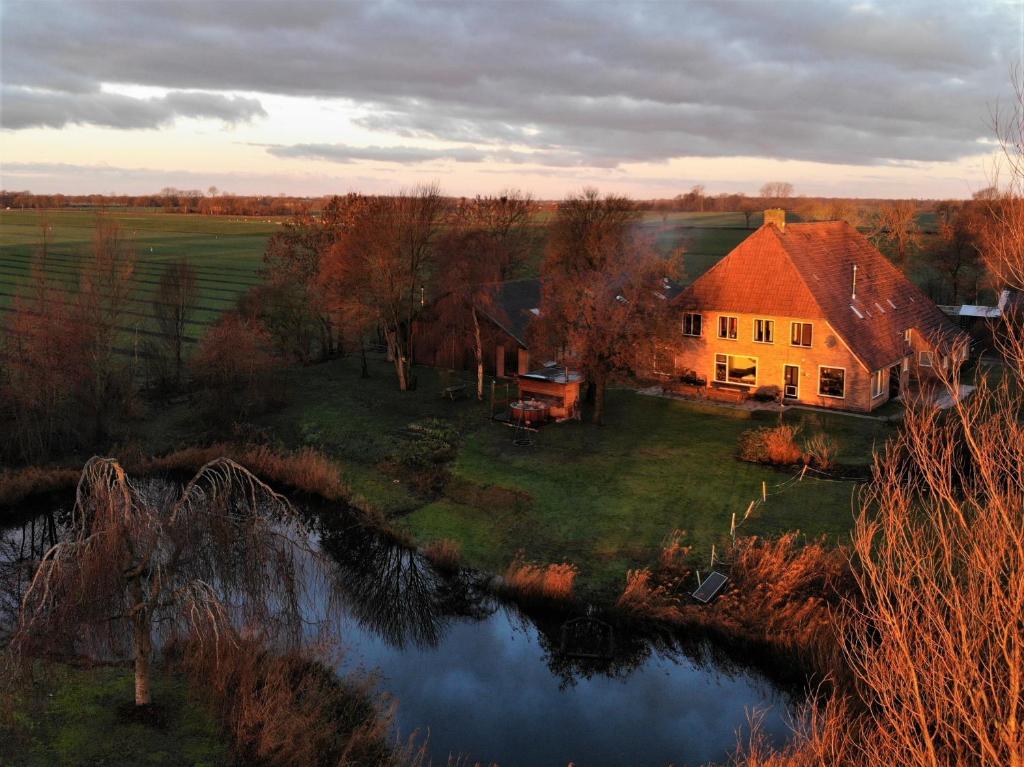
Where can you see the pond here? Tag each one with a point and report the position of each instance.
(489, 681)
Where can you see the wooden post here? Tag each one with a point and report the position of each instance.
(802, 472)
(698, 578)
(732, 528)
(750, 508)
(712, 556)
(764, 490)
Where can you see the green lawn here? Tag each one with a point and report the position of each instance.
(83, 717)
(603, 497)
(606, 497)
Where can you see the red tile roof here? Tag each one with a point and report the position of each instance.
(806, 271)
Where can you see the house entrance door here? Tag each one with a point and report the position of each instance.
(895, 373)
(791, 377)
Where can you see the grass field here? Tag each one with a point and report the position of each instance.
(83, 717)
(226, 252)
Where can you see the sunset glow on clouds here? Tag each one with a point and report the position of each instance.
(647, 99)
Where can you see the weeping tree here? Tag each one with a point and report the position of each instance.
(145, 564)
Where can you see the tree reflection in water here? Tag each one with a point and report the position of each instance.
(22, 545)
(394, 591)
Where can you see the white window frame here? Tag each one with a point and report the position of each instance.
(801, 345)
(714, 375)
(690, 316)
(770, 325)
(832, 396)
(736, 321)
(878, 377)
(921, 357)
(906, 335)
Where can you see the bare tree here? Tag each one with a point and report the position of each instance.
(506, 219)
(381, 266)
(174, 303)
(777, 190)
(601, 308)
(106, 288)
(143, 562)
(895, 226)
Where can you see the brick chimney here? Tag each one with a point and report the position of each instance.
(776, 216)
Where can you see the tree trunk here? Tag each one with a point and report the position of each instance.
(364, 371)
(143, 641)
(479, 349)
(599, 387)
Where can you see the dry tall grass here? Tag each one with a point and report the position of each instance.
(18, 484)
(445, 554)
(529, 580)
(307, 470)
(289, 710)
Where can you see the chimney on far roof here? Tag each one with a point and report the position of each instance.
(776, 216)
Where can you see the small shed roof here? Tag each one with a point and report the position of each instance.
(554, 374)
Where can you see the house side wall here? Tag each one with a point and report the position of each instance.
(827, 348)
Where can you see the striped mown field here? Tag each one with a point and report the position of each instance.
(226, 252)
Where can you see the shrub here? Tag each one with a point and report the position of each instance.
(771, 444)
(767, 394)
(530, 580)
(821, 450)
(445, 554)
(234, 372)
(692, 378)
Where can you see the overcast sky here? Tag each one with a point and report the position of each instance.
(844, 98)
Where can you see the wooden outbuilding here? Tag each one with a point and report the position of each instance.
(555, 387)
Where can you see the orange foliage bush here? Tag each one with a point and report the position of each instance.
(775, 445)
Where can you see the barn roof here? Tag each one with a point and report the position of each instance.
(806, 271)
(512, 305)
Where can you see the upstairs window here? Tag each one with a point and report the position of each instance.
(764, 331)
(800, 334)
(693, 324)
(728, 327)
(832, 382)
(924, 359)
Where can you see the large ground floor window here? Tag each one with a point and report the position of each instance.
(736, 369)
(831, 382)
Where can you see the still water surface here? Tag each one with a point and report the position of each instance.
(488, 681)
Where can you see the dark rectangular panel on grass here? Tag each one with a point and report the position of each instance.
(710, 587)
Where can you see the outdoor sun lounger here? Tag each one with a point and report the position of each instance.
(709, 587)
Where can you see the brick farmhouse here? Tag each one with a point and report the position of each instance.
(816, 311)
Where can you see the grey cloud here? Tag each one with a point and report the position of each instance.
(598, 84)
(31, 108)
(344, 153)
